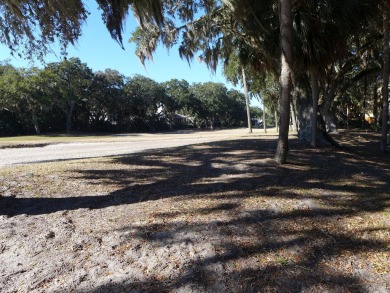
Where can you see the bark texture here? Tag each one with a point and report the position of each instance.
(248, 110)
(293, 119)
(385, 88)
(315, 97)
(286, 31)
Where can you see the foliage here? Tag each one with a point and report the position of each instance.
(30, 27)
(107, 101)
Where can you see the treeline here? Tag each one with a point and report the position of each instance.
(69, 96)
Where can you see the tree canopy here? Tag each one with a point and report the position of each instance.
(69, 96)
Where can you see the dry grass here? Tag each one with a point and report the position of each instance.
(217, 217)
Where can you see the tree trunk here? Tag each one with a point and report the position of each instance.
(294, 119)
(264, 122)
(315, 97)
(276, 121)
(385, 88)
(304, 112)
(375, 106)
(364, 102)
(330, 119)
(172, 119)
(248, 111)
(34, 120)
(69, 117)
(286, 31)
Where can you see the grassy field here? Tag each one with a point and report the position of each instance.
(215, 217)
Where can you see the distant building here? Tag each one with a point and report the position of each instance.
(182, 120)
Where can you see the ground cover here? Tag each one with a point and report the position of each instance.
(215, 217)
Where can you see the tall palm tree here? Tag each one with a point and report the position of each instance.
(286, 33)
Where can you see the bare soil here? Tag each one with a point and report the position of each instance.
(212, 217)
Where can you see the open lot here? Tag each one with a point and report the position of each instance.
(215, 216)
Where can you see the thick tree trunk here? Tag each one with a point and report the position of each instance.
(330, 119)
(69, 114)
(315, 98)
(386, 71)
(34, 120)
(286, 31)
(248, 110)
(304, 113)
(264, 121)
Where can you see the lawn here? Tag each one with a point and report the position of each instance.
(215, 217)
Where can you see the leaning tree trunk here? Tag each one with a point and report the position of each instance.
(386, 71)
(69, 114)
(315, 97)
(248, 110)
(286, 31)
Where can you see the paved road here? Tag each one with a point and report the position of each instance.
(118, 145)
(64, 151)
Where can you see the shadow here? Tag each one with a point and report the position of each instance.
(242, 223)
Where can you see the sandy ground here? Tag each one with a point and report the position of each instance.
(211, 217)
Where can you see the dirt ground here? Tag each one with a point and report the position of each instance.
(213, 217)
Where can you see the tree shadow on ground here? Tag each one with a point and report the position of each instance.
(259, 227)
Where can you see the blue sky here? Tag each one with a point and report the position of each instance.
(100, 51)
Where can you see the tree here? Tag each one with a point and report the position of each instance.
(286, 32)
(34, 87)
(73, 79)
(178, 98)
(386, 72)
(105, 98)
(211, 97)
(235, 72)
(144, 98)
(30, 27)
(236, 109)
(261, 31)
(25, 91)
(248, 111)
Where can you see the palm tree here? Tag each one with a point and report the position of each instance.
(248, 111)
(286, 32)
